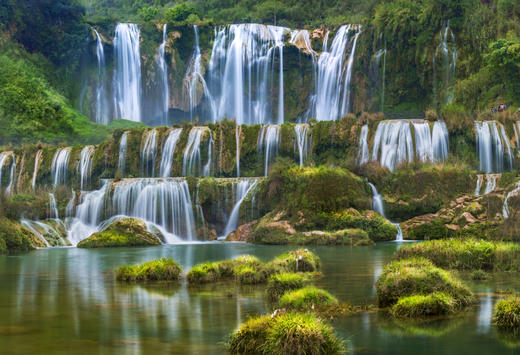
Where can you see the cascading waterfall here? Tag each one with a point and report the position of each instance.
(516, 128)
(242, 190)
(37, 162)
(302, 142)
(127, 78)
(206, 171)
(423, 141)
(381, 54)
(333, 84)
(378, 206)
(268, 144)
(123, 147)
(192, 161)
(491, 183)
(4, 159)
(32, 226)
(148, 153)
(492, 145)
(59, 166)
(101, 94)
(163, 69)
(447, 53)
(440, 142)
(480, 180)
(168, 151)
(238, 133)
(505, 207)
(302, 40)
(53, 207)
(85, 165)
(242, 73)
(363, 153)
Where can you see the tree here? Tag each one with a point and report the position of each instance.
(504, 63)
(179, 13)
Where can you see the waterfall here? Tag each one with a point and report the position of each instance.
(33, 227)
(447, 52)
(505, 207)
(491, 183)
(393, 143)
(148, 153)
(491, 141)
(301, 142)
(381, 53)
(480, 179)
(4, 159)
(192, 161)
(168, 152)
(85, 165)
(363, 153)
(206, 171)
(69, 209)
(53, 207)
(333, 85)
(242, 72)
(101, 94)
(243, 187)
(163, 69)
(59, 167)
(238, 133)
(166, 203)
(127, 78)
(37, 161)
(268, 144)
(378, 206)
(121, 160)
(302, 40)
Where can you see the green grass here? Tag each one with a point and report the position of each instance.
(278, 284)
(14, 238)
(300, 260)
(307, 298)
(156, 270)
(288, 333)
(466, 254)
(418, 276)
(418, 306)
(507, 313)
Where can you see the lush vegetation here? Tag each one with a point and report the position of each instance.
(307, 298)
(507, 313)
(418, 306)
(280, 283)
(156, 270)
(14, 238)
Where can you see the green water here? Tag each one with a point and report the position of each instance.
(66, 301)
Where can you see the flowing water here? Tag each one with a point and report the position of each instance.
(67, 298)
(505, 207)
(379, 207)
(192, 160)
(302, 142)
(121, 159)
(37, 162)
(363, 152)
(53, 207)
(168, 152)
(241, 191)
(163, 71)
(85, 165)
(493, 147)
(268, 145)
(149, 153)
(60, 161)
(102, 114)
(445, 65)
(5, 159)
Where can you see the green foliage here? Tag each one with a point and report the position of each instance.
(13, 237)
(300, 260)
(307, 298)
(148, 13)
(164, 269)
(435, 304)
(180, 13)
(288, 333)
(504, 63)
(280, 283)
(507, 313)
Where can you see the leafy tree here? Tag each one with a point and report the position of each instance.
(149, 13)
(179, 13)
(504, 63)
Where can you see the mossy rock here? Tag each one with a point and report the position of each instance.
(300, 260)
(15, 238)
(249, 275)
(203, 273)
(417, 306)
(418, 276)
(156, 270)
(127, 232)
(434, 228)
(307, 298)
(507, 313)
(280, 283)
(376, 226)
(246, 269)
(286, 333)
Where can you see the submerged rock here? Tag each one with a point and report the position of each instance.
(121, 233)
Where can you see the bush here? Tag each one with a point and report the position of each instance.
(289, 333)
(507, 313)
(225, 269)
(203, 273)
(417, 306)
(248, 275)
(301, 260)
(283, 282)
(156, 270)
(418, 276)
(478, 275)
(307, 298)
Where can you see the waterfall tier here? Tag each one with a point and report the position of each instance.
(493, 147)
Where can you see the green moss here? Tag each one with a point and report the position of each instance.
(418, 276)
(377, 227)
(418, 306)
(289, 333)
(121, 233)
(156, 270)
(249, 275)
(13, 237)
(307, 298)
(300, 260)
(280, 283)
(203, 273)
(436, 229)
(246, 269)
(507, 313)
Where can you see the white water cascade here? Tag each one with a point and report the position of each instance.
(53, 207)
(332, 97)
(163, 70)
(127, 77)
(268, 144)
(168, 152)
(378, 206)
(241, 190)
(102, 114)
(85, 165)
(445, 63)
(492, 145)
(440, 142)
(192, 160)
(4, 159)
(59, 166)
(33, 227)
(238, 133)
(302, 142)
(148, 153)
(505, 207)
(381, 54)
(243, 73)
(37, 162)
(363, 152)
(121, 159)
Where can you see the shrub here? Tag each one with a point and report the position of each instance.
(507, 313)
(283, 282)
(478, 275)
(156, 270)
(307, 298)
(417, 306)
(301, 260)
(251, 337)
(418, 276)
(248, 275)
(203, 273)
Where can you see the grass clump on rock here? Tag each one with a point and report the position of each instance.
(417, 306)
(286, 333)
(156, 270)
(418, 276)
(280, 283)
(507, 313)
(307, 298)
(300, 260)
